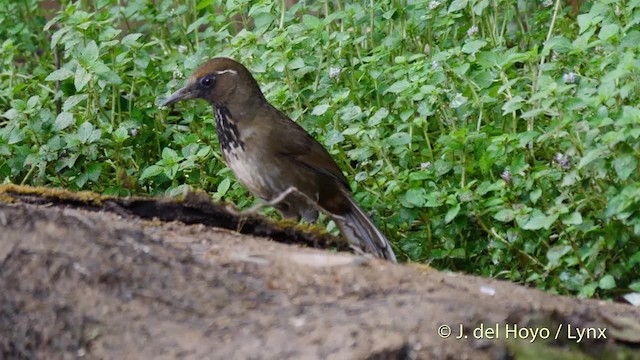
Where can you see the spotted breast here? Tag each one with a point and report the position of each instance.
(243, 164)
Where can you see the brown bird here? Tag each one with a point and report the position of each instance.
(274, 157)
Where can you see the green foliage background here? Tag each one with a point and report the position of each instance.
(485, 136)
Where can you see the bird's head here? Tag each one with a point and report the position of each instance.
(220, 81)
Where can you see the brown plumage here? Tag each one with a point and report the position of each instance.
(270, 154)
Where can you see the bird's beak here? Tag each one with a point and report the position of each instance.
(186, 93)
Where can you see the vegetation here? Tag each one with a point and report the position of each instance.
(484, 136)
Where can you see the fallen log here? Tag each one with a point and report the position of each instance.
(84, 275)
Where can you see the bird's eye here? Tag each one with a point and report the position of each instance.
(206, 81)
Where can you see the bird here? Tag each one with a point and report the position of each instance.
(275, 158)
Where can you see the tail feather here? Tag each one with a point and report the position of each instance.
(360, 231)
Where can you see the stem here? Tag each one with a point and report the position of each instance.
(283, 9)
(24, 180)
(371, 23)
(542, 59)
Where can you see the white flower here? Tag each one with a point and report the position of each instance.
(506, 176)
(563, 160)
(434, 4)
(472, 30)
(569, 78)
(334, 72)
(182, 49)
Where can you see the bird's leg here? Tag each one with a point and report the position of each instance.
(275, 201)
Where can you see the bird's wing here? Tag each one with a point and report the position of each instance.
(302, 149)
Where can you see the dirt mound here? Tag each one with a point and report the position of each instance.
(94, 277)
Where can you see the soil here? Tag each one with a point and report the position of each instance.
(87, 276)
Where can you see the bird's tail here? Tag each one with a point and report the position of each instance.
(360, 231)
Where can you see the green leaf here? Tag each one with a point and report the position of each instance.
(625, 165)
(58, 35)
(131, 40)
(171, 171)
(63, 120)
(204, 152)
(535, 195)
(442, 167)
(296, 63)
(415, 197)
(513, 58)
(33, 102)
(262, 20)
(51, 22)
(73, 101)
(458, 101)
(319, 109)
(170, 155)
(479, 7)
(351, 112)
(452, 213)
(635, 286)
(398, 86)
(457, 5)
(333, 137)
(67, 162)
(11, 114)
(223, 187)
(111, 77)
(504, 215)
(589, 289)
(151, 171)
(398, 139)
(558, 43)
(513, 104)
(434, 199)
(93, 171)
(608, 31)
(310, 21)
(121, 134)
(90, 54)
(87, 133)
(585, 21)
(555, 253)
(377, 117)
(60, 74)
(16, 135)
(487, 59)
(575, 218)
(590, 156)
(607, 282)
(473, 46)
(81, 79)
(531, 113)
(84, 131)
(539, 220)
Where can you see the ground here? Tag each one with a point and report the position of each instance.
(86, 276)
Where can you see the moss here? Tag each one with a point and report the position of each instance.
(11, 192)
(285, 230)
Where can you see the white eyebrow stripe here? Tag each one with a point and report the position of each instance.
(226, 71)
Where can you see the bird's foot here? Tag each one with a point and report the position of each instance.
(271, 203)
(310, 215)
